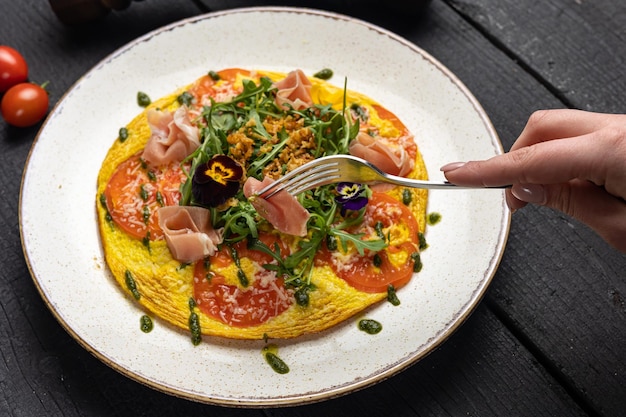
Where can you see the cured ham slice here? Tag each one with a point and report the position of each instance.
(294, 90)
(390, 157)
(188, 232)
(173, 137)
(282, 210)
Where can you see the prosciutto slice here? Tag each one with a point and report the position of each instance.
(294, 90)
(282, 210)
(390, 157)
(173, 137)
(188, 232)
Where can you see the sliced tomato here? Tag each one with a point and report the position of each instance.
(135, 192)
(206, 86)
(394, 265)
(385, 114)
(267, 297)
(224, 258)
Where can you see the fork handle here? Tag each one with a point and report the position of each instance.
(431, 185)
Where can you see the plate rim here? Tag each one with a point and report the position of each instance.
(304, 398)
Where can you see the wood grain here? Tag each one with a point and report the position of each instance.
(549, 338)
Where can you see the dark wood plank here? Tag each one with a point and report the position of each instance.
(43, 371)
(582, 62)
(466, 376)
(563, 289)
(481, 370)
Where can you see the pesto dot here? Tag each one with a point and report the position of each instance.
(407, 197)
(370, 326)
(324, 74)
(422, 241)
(417, 261)
(131, 285)
(143, 193)
(270, 353)
(145, 324)
(185, 99)
(276, 363)
(194, 328)
(143, 99)
(302, 296)
(159, 198)
(433, 218)
(123, 134)
(392, 297)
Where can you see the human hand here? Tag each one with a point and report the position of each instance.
(570, 160)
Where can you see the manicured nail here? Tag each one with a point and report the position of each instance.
(530, 193)
(452, 166)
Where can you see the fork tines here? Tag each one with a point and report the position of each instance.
(310, 175)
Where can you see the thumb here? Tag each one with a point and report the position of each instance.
(584, 201)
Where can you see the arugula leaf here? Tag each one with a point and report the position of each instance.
(246, 113)
(374, 245)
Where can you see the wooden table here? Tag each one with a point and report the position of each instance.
(549, 337)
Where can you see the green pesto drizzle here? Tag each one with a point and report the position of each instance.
(379, 230)
(370, 326)
(131, 285)
(417, 261)
(107, 214)
(407, 197)
(194, 324)
(243, 279)
(146, 214)
(143, 99)
(422, 241)
(392, 297)
(302, 295)
(182, 266)
(143, 193)
(145, 324)
(123, 134)
(270, 353)
(185, 99)
(159, 198)
(324, 74)
(146, 242)
(433, 218)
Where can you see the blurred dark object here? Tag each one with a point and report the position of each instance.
(72, 12)
(76, 12)
(353, 7)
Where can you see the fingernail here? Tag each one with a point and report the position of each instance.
(530, 193)
(452, 166)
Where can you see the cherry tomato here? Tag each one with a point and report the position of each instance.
(13, 68)
(24, 104)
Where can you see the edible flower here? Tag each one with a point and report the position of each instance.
(351, 196)
(216, 180)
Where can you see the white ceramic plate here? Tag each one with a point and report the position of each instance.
(62, 247)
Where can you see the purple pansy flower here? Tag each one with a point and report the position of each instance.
(351, 196)
(216, 180)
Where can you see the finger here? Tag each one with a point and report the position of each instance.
(556, 161)
(545, 125)
(513, 202)
(585, 201)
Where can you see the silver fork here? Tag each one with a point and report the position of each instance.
(344, 168)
